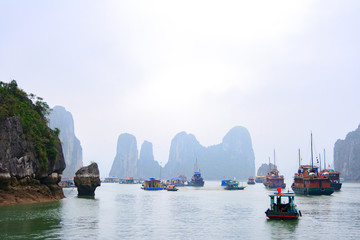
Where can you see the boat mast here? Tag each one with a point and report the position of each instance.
(269, 166)
(274, 162)
(324, 160)
(312, 160)
(320, 160)
(299, 158)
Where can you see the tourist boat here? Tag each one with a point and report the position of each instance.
(197, 180)
(171, 188)
(233, 185)
(282, 210)
(67, 182)
(273, 179)
(179, 181)
(153, 184)
(308, 181)
(334, 177)
(260, 179)
(251, 180)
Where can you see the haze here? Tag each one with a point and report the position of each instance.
(154, 68)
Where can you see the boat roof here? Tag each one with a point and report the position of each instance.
(152, 180)
(282, 195)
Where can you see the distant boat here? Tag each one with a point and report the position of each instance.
(308, 181)
(273, 179)
(282, 210)
(334, 177)
(179, 181)
(153, 184)
(233, 185)
(260, 179)
(197, 180)
(67, 182)
(111, 179)
(251, 180)
(171, 188)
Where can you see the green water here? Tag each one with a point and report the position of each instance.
(127, 212)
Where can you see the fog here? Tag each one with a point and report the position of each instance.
(154, 68)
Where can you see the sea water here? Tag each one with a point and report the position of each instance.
(121, 211)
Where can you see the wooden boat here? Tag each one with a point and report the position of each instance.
(308, 181)
(273, 179)
(171, 188)
(283, 211)
(334, 177)
(251, 180)
(153, 184)
(233, 185)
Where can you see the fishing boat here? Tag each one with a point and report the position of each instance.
(282, 210)
(153, 184)
(273, 179)
(171, 188)
(197, 180)
(233, 185)
(251, 180)
(308, 181)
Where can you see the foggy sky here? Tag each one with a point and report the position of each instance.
(154, 68)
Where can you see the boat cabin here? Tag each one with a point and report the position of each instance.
(153, 184)
(282, 203)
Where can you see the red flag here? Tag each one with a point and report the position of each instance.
(301, 159)
(279, 190)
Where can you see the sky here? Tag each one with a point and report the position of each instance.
(282, 69)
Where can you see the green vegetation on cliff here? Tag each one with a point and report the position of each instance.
(16, 102)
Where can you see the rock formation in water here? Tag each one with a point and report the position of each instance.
(31, 157)
(185, 150)
(125, 163)
(63, 120)
(147, 166)
(234, 157)
(87, 179)
(264, 169)
(347, 156)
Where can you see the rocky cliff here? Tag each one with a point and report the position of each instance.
(31, 157)
(147, 166)
(184, 151)
(234, 157)
(63, 120)
(125, 163)
(264, 169)
(347, 156)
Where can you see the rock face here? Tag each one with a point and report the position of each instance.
(147, 166)
(264, 169)
(347, 156)
(184, 151)
(87, 179)
(234, 157)
(63, 120)
(126, 159)
(29, 168)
